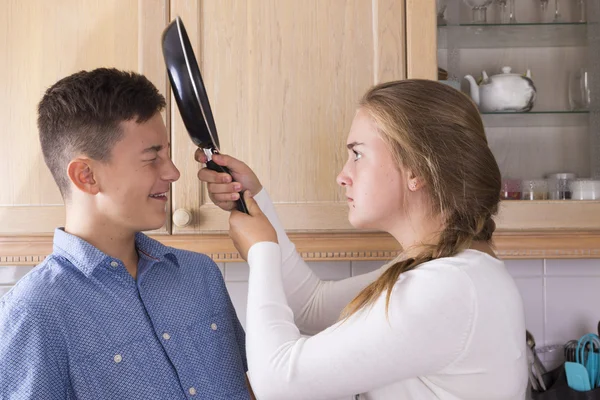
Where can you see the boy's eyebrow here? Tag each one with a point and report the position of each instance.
(350, 146)
(155, 148)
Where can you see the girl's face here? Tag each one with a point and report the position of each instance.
(375, 186)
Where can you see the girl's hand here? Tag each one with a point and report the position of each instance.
(221, 188)
(247, 230)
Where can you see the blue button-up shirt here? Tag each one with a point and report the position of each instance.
(79, 326)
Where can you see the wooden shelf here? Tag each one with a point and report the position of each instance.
(535, 118)
(30, 250)
(488, 36)
(548, 215)
(525, 229)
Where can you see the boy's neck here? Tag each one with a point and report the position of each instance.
(111, 240)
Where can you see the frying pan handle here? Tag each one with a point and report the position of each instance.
(240, 204)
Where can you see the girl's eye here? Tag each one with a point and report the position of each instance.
(152, 160)
(357, 155)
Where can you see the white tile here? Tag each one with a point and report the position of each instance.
(572, 307)
(519, 268)
(362, 267)
(237, 272)
(573, 267)
(10, 274)
(331, 270)
(532, 293)
(238, 291)
(4, 289)
(221, 268)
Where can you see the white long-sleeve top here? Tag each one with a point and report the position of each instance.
(455, 329)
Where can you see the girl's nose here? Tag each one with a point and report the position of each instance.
(342, 179)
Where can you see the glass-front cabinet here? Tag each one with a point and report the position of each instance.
(533, 67)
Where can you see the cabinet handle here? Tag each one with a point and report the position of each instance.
(182, 217)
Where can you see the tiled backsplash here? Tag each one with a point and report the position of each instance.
(9, 275)
(561, 297)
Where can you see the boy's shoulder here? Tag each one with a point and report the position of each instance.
(187, 256)
(198, 265)
(40, 288)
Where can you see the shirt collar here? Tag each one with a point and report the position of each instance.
(87, 258)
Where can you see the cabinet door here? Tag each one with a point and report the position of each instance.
(40, 42)
(531, 146)
(284, 78)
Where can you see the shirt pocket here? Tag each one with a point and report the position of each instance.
(123, 371)
(219, 351)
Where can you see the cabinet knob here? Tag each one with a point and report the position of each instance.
(182, 217)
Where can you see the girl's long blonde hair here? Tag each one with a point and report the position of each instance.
(436, 132)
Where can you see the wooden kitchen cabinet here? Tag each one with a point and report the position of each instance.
(292, 71)
(283, 78)
(41, 42)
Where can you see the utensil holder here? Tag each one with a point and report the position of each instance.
(558, 389)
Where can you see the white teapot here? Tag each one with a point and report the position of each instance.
(503, 92)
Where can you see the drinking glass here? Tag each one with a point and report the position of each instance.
(503, 15)
(544, 8)
(507, 11)
(441, 9)
(579, 89)
(557, 16)
(511, 9)
(582, 17)
(479, 9)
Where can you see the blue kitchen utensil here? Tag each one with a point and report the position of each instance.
(587, 355)
(577, 377)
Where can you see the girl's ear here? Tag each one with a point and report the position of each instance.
(414, 183)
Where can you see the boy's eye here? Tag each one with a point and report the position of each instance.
(151, 160)
(357, 155)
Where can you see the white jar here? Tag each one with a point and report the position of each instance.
(585, 189)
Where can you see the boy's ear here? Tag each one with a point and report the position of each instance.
(81, 173)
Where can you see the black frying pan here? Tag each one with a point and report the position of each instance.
(190, 95)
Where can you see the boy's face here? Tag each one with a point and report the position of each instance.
(134, 185)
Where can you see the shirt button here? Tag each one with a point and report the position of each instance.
(117, 358)
(114, 264)
(213, 326)
(166, 336)
(192, 391)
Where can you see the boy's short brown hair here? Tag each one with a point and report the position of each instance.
(82, 113)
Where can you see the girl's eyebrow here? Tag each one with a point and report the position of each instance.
(352, 145)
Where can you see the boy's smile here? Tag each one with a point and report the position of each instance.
(135, 182)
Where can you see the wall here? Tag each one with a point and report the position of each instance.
(561, 297)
